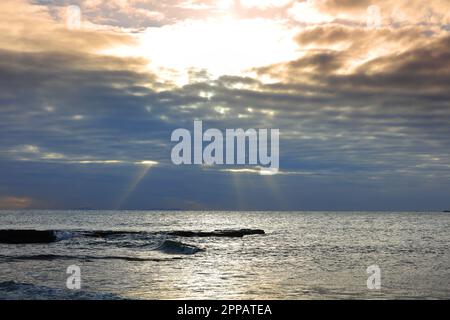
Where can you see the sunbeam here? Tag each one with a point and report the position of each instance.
(144, 167)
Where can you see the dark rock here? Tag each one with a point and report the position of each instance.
(106, 234)
(48, 236)
(216, 233)
(26, 236)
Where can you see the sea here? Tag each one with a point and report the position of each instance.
(301, 255)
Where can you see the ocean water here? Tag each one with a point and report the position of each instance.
(302, 255)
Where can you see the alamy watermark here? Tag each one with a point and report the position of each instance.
(229, 148)
(73, 282)
(374, 19)
(374, 280)
(73, 17)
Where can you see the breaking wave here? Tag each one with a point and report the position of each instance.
(170, 246)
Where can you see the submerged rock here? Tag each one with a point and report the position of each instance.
(216, 233)
(27, 236)
(48, 236)
(113, 233)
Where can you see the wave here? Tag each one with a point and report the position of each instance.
(11, 290)
(64, 235)
(176, 247)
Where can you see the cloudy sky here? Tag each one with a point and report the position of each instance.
(360, 91)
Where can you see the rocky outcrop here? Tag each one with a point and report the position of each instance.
(217, 233)
(27, 236)
(48, 236)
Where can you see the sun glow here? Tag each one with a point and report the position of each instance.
(224, 46)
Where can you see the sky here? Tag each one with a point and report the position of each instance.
(360, 91)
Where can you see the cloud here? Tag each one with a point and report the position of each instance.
(11, 202)
(18, 26)
(363, 113)
(397, 12)
(264, 3)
